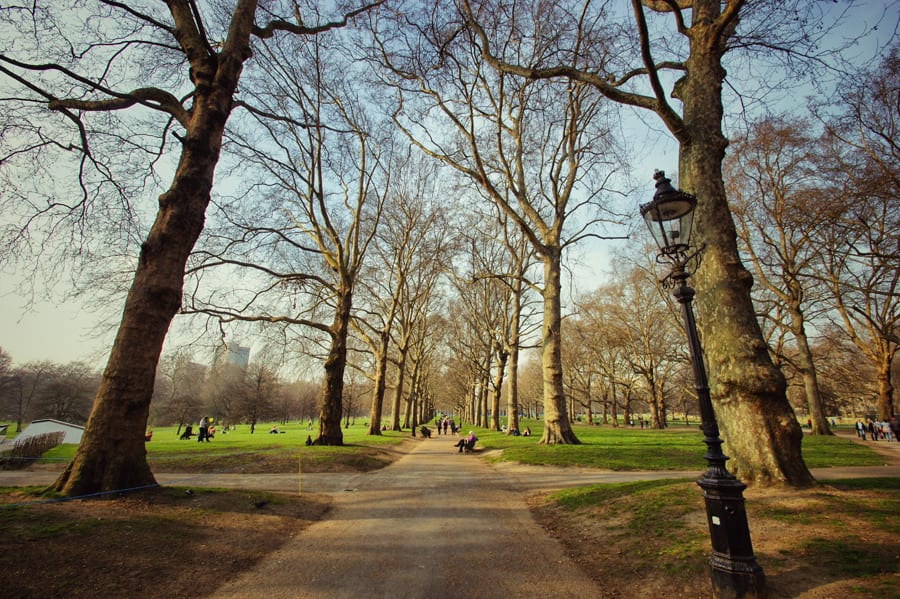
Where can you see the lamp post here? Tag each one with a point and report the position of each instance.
(733, 568)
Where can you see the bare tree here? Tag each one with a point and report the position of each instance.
(25, 385)
(176, 68)
(862, 248)
(319, 174)
(256, 393)
(417, 241)
(643, 66)
(773, 195)
(848, 378)
(539, 150)
(638, 338)
(68, 392)
(7, 383)
(178, 391)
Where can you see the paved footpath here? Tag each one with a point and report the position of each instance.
(433, 524)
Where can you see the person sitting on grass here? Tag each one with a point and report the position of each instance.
(466, 443)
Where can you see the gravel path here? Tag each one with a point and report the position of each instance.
(433, 524)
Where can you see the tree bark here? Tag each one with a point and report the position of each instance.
(759, 428)
(512, 382)
(112, 455)
(807, 369)
(379, 386)
(398, 391)
(885, 387)
(557, 427)
(330, 432)
(502, 357)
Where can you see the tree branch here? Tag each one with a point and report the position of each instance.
(299, 28)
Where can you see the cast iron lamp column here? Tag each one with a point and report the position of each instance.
(733, 568)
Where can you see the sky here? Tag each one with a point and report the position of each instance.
(66, 332)
(48, 331)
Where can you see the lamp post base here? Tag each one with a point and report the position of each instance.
(733, 568)
(743, 583)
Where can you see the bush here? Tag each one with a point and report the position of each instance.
(26, 451)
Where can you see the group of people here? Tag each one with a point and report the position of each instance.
(876, 430)
(515, 432)
(446, 424)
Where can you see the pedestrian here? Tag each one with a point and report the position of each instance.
(872, 433)
(446, 425)
(860, 429)
(203, 429)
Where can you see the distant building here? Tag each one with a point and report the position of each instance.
(196, 371)
(232, 355)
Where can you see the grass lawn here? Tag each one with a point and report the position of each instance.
(631, 448)
(624, 448)
(260, 452)
(835, 541)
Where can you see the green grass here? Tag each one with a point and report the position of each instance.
(238, 450)
(676, 448)
(834, 452)
(808, 537)
(624, 448)
(579, 497)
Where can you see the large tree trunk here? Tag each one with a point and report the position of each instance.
(810, 381)
(379, 386)
(502, 358)
(557, 428)
(112, 455)
(885, 387)
(333, 388)
(512, 382)
(398, 391)
(758, 426)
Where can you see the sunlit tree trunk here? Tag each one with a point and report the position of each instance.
(758, 425)
(497, 389)
(557, 428)
(810, 379)
(378, 388)
(512, 382)
(398, 391)
(333, 387)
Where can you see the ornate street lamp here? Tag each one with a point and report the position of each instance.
(733, 567)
